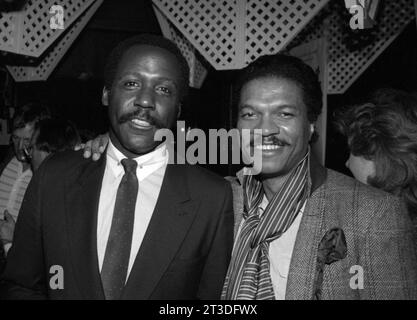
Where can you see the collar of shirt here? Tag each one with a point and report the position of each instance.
(264, 203)
(147, 163)
(262, 206)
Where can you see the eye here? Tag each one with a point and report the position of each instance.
(247, 114)
(286, 115)
(164, 90)
(131, 84)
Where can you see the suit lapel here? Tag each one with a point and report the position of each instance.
(302, 273)
(173, 215)
(82, 197)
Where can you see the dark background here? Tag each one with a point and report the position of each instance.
(74, 88)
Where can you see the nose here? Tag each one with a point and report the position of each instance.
(268, 126)
(145, 98)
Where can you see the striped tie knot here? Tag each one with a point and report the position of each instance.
(261, 242)
(252, 221)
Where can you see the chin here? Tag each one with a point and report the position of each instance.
(271, 170)
(137, 142)
(140, 148)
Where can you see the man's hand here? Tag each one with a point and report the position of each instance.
(7, 228)
(94, 147)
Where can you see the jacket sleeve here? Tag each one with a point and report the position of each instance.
(24, 276)
(389, 254)
(218, 259)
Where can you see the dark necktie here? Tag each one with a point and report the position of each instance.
(116, 258)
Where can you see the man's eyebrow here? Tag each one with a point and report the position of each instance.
(287, 106)
(242, 106)
(136, 74)
(283, 106)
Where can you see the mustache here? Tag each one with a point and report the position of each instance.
(269, 140)
(141, 115)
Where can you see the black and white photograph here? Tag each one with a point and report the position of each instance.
(204, 152)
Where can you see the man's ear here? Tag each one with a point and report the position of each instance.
(105, 97)
(312, 129)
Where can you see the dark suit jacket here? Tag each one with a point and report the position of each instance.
(184, 254)
(379, 237)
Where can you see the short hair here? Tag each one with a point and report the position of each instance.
(53, 135)
(30, 113)
(282, 66)
(384, 130)
(150, 40)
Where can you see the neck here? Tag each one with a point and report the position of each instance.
(273, 185)
(25, 166)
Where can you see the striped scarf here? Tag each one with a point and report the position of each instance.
(248, 277)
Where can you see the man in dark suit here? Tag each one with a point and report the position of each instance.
(132, 225)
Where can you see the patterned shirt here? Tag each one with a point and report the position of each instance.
(13, 184)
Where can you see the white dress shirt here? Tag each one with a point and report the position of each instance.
(280, 252)
(150, 172)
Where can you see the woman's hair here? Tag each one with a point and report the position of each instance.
(385, 131)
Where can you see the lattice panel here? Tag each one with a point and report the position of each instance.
(7, 31)
(210, 25)
(346, 65)
(316, 28)
(232, 33)
(271, 25)
(197, 71)
(45, 67)
(28, 32)
(350, 53)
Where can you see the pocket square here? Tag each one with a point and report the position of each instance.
(332, 248)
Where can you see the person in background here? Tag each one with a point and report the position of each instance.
(382, 138)
(51, 136)
(16, 173)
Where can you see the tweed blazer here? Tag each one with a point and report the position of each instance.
(379, 235)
